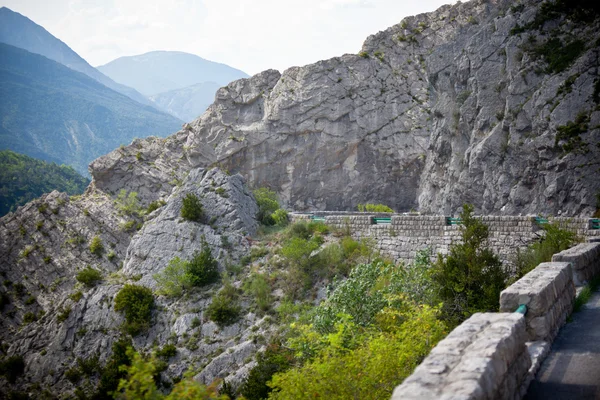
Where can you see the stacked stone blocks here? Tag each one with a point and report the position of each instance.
(585, 260)
(548, 292)
(483, 358)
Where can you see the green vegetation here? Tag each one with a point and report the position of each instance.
(555, 239)
(23, 179)
(585, 294)
(257, 285)
(269, 212)
(568, 136)
(471, 277)
(191, 209)
(12, 367)
(167, 351)
(180, 275)
(378, 208)
(138, 382)
(273, 360)
(96, 246)
(155, 205)
(128, 203)
(89, 276)
(63, 314)
(558, 55)
(137, 303)
(114, 370)
(224, 308)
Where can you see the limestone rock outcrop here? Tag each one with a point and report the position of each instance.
(454, 106)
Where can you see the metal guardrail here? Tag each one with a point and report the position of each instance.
(540, 220)
(317, 218)
(453, 221)
(595, 223)
(522, 309)
(383, 220)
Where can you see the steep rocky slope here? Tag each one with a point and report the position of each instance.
(51, 319)
(459, 105)
(466, 104)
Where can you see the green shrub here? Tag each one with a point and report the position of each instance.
(555, 239)
(96, 246)
(224, 308)
(113, 370)
(558, 55)
(174, 278)
(471, 277)
(266, 200)
(76, 296)
(167, 351)
(191, 209)
(298, 251)
(203, 268)
(570, 133)
(280, 217)
(12, 367)
(155, 205)
(63, 315)
(257, 285)
(29, 317)
(128, 204)
(299, 230)
(73, 375)
(378, 208)
(89, 276)
(137, 303)
(274, 359)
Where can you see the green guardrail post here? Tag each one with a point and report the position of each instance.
(541, 221)
(382, 220)
(453, 221)
(522, 309)
(594, 223)
(317, 218)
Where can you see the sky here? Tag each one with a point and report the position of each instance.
(248, 35)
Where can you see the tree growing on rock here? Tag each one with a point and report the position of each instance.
(471, 277)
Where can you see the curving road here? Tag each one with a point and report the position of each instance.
(572, 369)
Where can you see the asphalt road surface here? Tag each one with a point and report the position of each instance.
(572, 369)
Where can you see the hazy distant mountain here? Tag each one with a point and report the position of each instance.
(187, 103)
(51, 112)
(162, 71)
(19, 31)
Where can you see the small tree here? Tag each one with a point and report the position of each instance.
(192, 208)
(137, 303)
(96, 246)
(471, 277)
(174, 278)
(203, 269)
(266, 200)
(89, 276)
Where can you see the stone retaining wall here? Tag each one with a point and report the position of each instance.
(484, 357)
(548, 292)
(406, 234)
(585, 260)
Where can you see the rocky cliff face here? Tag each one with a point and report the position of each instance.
(52, 320)
(477, 102)
(459, 105)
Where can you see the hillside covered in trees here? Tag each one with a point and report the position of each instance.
(23, 179)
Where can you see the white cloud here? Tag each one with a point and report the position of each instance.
(252, 36)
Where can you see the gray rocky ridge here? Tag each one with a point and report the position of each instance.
(444, 108)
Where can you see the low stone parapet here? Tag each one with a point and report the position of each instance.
(548, 292)
(483, 358)
(585, 260)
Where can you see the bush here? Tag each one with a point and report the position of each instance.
(280, 217)
(274, 359)
(89, 276)
(128, 204)
(266, 200)
(167, 351)
(471, 277)
(113, 370)
(174, 278)
(12, 367)
(555, 239)
(258, 286)
(192, 208)
(203, 269)
(137, 303)
(63, 315)
(379, 208)
(96, 246)
(224, 309)
(155, 205)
